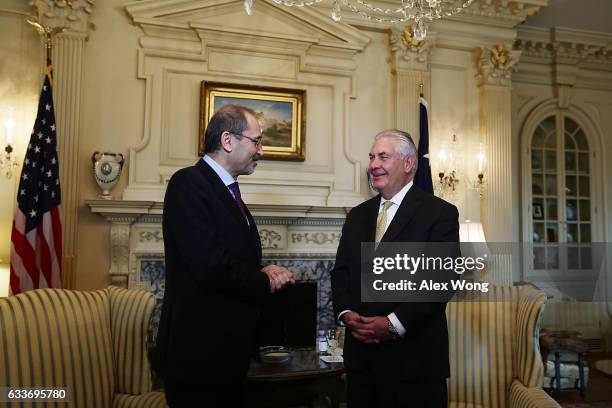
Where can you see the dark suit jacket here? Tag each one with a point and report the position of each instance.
(214, 282)
(423, 352)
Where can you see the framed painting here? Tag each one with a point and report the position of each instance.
(280, 113)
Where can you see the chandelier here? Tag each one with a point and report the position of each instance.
(420, 11)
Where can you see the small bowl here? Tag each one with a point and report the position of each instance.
(275, 354)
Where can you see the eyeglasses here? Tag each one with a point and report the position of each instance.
(256, 141)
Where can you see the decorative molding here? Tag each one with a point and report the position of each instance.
(576, 57)
(119, 251)
(268, 238)
(496, 64)
(409, 52)
(74, 15)
(150, 236)
(513, 12)
(317, 238)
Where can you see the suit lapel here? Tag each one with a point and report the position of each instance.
(370, 220)
(220, 190)
(404, 214)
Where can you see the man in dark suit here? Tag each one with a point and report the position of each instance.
(214, 278)
(396, 354)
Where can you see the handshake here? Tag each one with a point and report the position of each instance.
(279, 277)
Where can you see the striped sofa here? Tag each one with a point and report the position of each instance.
(494, 351)
(93, 343)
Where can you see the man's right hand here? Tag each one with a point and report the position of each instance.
(361, 327)
(279, 277)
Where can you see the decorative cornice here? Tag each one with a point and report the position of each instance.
(151, 212)
(565, 46)
(513, 12)
(496, 64)
(74, 15)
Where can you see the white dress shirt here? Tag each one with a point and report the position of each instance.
(397, 201)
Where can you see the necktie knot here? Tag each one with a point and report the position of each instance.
(235, 191)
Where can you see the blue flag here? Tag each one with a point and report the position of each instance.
(422, 178)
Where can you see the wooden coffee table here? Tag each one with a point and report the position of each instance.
(300, 381)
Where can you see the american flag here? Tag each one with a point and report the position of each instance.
(36, 238)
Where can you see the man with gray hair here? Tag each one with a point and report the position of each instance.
(396, 354)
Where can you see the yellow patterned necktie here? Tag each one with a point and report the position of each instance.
(381, 222)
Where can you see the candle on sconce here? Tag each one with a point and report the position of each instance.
(9, 123)
(480, 160)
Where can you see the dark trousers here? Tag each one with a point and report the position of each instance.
(213, 395)
(373, 389)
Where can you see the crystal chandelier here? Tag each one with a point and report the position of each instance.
(420, 11)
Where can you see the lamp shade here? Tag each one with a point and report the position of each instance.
(472, 232)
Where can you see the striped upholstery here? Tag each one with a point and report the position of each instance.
(493, 346)
(79, 340)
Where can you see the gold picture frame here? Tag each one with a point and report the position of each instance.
(280, 113)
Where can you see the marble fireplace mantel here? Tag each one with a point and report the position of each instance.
(301, 238)
(287, 232)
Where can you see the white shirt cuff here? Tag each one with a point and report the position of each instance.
(401, 330)
(339, 320)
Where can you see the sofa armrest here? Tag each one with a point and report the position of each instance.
(523, 397)
(527, 356)
(131, 312)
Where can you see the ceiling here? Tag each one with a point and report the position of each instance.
(590, 15)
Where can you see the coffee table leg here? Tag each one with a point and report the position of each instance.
(558, 371)
(581, 373)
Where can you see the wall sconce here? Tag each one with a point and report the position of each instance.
(479, 183)
(8, 162)
(448, 176)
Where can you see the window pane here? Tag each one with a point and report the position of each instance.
(538, 138)
(586, 257)
(536, 159)
(569, 142)
(572, 233)
(551, 184)
(573, 257)
(570, 186)
(585, 210)
(550, 160)
(583, 162)
(585, 233)
(551, 232)
(581, 140)
(552, 258)
(548, 124)
(538, 232)
(551, 209)
(584, 187)
(570, 161)
(551, 141)
(571, 213)
(538, 209)
(570, 126)
(538, 184)
(539, 254)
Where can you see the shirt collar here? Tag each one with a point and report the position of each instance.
(399, 196)
(221, 172)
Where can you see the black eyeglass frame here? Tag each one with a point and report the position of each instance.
(257, 141)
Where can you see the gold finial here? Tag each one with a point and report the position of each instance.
(47, 32)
